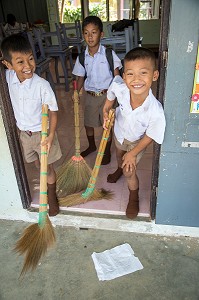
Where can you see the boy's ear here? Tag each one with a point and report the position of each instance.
(102, 34)
(7, 64)
(155, 75)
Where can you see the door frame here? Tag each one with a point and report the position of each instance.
(12, 134)
(162, 65)
(13, 140)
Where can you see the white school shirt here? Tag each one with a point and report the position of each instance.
(99, 75)
(27, 98)
(133, 124)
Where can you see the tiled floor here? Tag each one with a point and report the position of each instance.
(65, 130)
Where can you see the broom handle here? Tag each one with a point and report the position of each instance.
(76, 116)
(43, 168)
(95, 171)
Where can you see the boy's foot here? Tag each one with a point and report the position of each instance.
(106, 159)
(91, 148)
(88, 151)
(132, 209)
(113, 178)
(52, 200)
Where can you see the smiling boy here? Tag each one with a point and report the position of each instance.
(98, 78)
(28, 92)
(139, 118)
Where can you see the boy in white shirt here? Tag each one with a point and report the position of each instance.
(139, 118)
(28, 92)
(98, 78)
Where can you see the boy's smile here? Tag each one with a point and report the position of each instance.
(23, 64)
(138, 76)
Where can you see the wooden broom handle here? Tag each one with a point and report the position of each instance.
(102, 147)
(76, 118)
(43, 163)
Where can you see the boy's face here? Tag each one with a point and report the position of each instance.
(23, 64)
(139, 75)
(92, 35)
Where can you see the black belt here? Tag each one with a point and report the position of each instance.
(97, 94)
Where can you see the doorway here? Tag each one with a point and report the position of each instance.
(28, 176)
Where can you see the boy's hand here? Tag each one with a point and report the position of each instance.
(129, 162)
(48, 141)
(105, 116)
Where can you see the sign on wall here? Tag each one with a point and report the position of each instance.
(195, 94)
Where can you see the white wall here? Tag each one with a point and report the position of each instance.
(10, 200)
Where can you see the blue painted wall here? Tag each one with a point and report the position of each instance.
(178, 190)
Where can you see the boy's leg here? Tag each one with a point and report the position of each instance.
(91, 141)
(112, 178)
(52, 197)
(132, 209)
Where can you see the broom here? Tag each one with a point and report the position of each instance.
(74, 175)
(38, 237)
(91, 193)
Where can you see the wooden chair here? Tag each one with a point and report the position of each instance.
(76, 40)
(42, 62)
(54, 46)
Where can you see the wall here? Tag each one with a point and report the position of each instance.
(10, 200)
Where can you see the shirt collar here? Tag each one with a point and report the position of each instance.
(100, 50)
(148, 100)
(26, 82)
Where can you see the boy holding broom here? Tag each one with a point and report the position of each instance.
(139, 118)
(96, 77)
(28, 92)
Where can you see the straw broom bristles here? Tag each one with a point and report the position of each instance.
(34, 243)
(38, 237)
(91, 193)
(74, 175)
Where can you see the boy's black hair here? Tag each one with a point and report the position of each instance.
(92, 20)
(14, 43)
(140, 53)
(11, 19)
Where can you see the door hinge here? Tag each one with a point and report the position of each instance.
(165, 58)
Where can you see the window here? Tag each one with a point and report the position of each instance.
(118, 9)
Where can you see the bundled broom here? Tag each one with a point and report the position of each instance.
(74, 175)
(91, 193)
(37, 238)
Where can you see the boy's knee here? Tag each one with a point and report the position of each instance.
(128, 174)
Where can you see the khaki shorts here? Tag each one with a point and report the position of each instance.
(93, 110)
(32, 147)
(128, 146)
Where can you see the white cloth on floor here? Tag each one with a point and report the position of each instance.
(116, 262)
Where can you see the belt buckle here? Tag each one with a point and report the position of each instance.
(98, 94)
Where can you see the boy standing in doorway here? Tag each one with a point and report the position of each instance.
(139, 118)
(96, 77)
(28, 92)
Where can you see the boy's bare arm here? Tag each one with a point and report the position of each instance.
(129, 158)
(80, 83)
(107, 106)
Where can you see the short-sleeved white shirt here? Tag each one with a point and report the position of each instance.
(99, 75)
(27, 98)
(133, 124)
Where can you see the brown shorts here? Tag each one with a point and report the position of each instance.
(128, 146)
(93, 110)
(32, 147)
